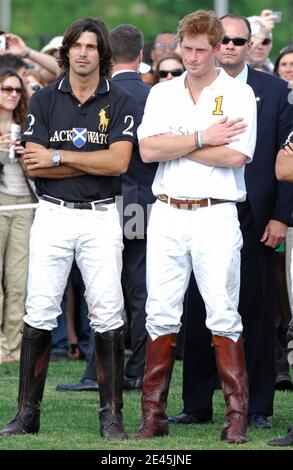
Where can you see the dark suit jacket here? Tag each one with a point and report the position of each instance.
(269, 199)
(137, 181)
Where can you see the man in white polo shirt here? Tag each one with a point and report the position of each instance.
(189, 126)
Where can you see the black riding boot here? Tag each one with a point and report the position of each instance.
(34, 361)
(109, 348)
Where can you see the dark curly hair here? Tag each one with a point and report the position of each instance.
(92, 25)
(20, 112)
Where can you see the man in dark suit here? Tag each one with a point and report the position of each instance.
(127, 44)
(263, 218)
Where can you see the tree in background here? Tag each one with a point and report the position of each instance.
(38, 21)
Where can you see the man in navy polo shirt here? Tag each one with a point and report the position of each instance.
(79, 136)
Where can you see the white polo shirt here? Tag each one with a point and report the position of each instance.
(169, 108)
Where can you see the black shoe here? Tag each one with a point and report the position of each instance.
(283, 381)
(283, 441)
(189, 418)
(132, 383)
(259, 421)
(84, 385)
(58, 356)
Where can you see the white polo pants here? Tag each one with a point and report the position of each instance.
(94, 238)
(207, 240)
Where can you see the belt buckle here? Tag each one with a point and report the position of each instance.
(195, 204)
(70, 205)
(162, 197)
(101, 208)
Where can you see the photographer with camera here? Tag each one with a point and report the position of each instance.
(14, 44)
(261, 37)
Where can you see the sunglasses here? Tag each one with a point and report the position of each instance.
(174, 73)
(266, 42)
(236, 41)
(11, 89)
(161, 46)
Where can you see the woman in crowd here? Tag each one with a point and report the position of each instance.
(168, 67)
(14, 224)
(284, 64)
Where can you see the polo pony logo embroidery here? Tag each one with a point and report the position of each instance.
(104, 121)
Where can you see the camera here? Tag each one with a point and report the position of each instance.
(14, 135)
(278, 16)
(2, 42)
(36, 87)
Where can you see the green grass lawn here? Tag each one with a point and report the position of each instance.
(69, 421)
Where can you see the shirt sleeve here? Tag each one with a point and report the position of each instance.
(156, 118)
(246, 142)
(36, 127)
(124, 120)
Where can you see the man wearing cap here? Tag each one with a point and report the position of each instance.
(53, 46)
(51, 49)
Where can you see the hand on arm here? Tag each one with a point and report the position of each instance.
(214, 140)
(223, 131)
(284, 164)
(37, 162)
(220, 156)
(275, 232)
(113, 161)
(166, 147)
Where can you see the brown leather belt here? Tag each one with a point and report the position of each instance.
(190, 204)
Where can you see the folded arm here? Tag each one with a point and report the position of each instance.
(170, 146)
(32, 164)
(112, 161)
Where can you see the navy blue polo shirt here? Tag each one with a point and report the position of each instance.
(58, 120)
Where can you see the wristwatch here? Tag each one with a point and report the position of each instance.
(55, 158)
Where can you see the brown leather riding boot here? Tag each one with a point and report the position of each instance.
(158, 370)
(34, 361)
(232, 370)
(109, 348)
